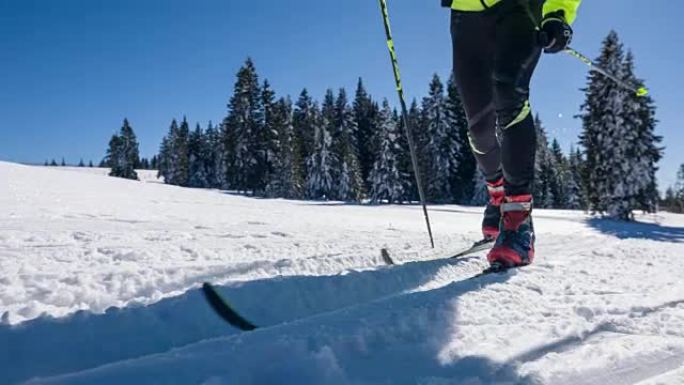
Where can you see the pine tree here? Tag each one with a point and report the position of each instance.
(164, 157)
(266, 141)
(242, 129)
(80, 163)
(90, 163)
(559, 182)
(53, 162)
(673, 201)
(114, 158)
(180, 154)
(387, 183)
(173, 154)
(287, 180)
(212, 156)
(349, 183)
(545, 170)
(131, 151)
(63, 164)
(442, 147)
(573, 182)
(197, 171)
(618, 138)
(320, 164)
(304, 120)
(602, 119)
(641, 144)
(123, 153)
(677, 193)
(365, 114)
(467, 164)
(405, 163)
(46, 163)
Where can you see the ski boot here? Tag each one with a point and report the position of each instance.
(492, 214)
(514, 245)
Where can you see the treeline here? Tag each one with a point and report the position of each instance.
(63, 163)
(335, 150)
(342, 150)
(143, 163)
(122, 156)
(356, 150)
(674, 195)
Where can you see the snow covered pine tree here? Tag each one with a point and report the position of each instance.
(618, 139)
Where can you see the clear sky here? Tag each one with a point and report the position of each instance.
(71, 70)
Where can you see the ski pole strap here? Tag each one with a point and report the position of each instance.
(516, 206)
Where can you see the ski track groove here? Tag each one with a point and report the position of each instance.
(632, 375)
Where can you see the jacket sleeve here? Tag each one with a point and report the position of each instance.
(569, 8)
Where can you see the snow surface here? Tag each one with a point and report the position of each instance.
(99, 285)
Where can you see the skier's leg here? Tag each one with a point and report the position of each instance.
(517, 54)
(472, 35)
(473, 48)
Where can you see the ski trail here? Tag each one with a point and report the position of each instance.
(608, 326)
(659, 355)
(629, 372)
(183, 320)
(675, 376)
(338, 347)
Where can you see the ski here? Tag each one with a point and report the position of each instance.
(484, 244)
(224, 309)
(476, 247)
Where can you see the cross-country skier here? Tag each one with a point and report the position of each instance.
(496, 47)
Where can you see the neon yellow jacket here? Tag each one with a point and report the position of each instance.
(569, 7)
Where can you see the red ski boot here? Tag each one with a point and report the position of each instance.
(492, 214)
(515, 244)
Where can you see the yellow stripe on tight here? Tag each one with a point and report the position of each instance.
(522, 115)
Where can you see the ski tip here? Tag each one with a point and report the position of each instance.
(386, 257)
(224, 309)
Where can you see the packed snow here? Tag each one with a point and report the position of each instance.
(100, 279)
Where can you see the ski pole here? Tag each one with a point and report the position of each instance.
(404, 114)
(639, 90)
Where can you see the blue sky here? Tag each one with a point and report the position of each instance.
(71, 70)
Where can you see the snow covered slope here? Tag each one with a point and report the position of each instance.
(99, 285)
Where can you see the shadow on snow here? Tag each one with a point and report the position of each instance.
(637, 230)
(47, 346)
(390, 340)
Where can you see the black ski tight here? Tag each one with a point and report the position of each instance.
(495, 54)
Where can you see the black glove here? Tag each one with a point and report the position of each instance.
(556, 33)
